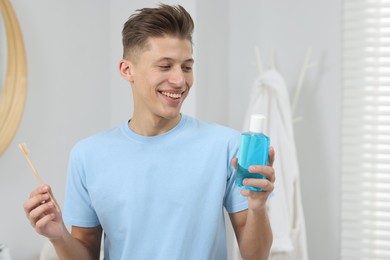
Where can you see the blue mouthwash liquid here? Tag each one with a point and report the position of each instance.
(254, 147)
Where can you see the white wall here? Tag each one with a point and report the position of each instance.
(212, 60)
(68, 85)
(74, 90)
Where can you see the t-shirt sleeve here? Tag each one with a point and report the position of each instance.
(233, 201)
(78, 209)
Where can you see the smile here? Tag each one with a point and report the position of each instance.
(172, 95)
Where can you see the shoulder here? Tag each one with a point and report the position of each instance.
(211, 128)
(99, 140)
(212, 134)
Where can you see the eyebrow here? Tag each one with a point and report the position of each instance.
(191, 60)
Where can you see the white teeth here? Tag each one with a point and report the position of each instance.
(171, 95)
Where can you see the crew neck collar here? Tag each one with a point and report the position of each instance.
(149, 139)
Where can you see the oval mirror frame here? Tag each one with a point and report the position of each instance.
(13, 90)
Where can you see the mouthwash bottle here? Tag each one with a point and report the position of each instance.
(254, 147)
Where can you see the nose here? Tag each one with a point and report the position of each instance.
(176, 77)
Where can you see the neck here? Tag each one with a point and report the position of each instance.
(152, 127)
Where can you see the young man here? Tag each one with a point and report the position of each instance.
(156, 185)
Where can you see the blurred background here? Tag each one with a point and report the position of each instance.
(74, 90)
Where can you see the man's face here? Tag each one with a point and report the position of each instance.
(162, 77)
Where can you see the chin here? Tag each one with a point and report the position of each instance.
(171, 115)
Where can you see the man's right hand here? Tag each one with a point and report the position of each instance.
(43, 215)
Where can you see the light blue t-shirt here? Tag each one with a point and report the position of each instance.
(156, 197)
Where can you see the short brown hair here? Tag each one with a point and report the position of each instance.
(165, 20)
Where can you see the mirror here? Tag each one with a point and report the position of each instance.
(3, 52)
(13, 75)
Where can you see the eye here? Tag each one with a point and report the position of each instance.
(164, 67)
(187, 68)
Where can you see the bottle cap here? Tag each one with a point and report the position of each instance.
(256, 124)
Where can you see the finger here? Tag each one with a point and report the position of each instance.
(248, 193)
(264, 184)
(256, 194)
(42, 222)
(41, 189)
(35, 201)
(245, 192)
(45, 189)
(266, 171)
(39, 212)
(48, 189)
(234, 162)
(271, 156)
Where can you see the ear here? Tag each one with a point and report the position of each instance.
(126, 70)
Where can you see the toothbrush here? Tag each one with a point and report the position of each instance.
(26, 152)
